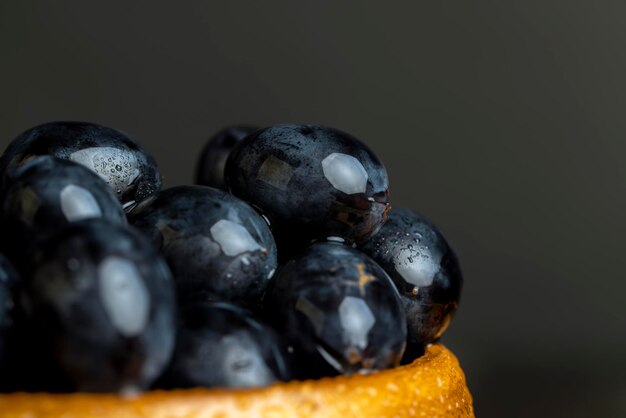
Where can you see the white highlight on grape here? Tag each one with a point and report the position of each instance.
(243, 365)
(233, 238)
(416, 268)
(356, 319)
(124, 295)
(329, 358)
(128, 204)
(77, 203)
(345, 173)
(116, 166)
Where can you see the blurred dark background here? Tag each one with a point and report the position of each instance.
(502, 121)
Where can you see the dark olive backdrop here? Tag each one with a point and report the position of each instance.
(503, 121)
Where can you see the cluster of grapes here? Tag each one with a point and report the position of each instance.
(284, 262)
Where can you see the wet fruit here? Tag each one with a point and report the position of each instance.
(102, 302)
(216, 245)
(221, 345)
(44, 195)
(98, 309)
(425, 270)
(312, 182)
(210, 168)
(339, 310)
(120, 161)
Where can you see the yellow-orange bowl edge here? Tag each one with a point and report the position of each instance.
(432, 386)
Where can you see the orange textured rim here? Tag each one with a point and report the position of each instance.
(432, 386)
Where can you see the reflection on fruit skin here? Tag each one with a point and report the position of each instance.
(216, 245)
(339, 310)
(128, 169)
(222, 345)
(425, 271)
(312, 182)
(101, 302)
(46, 194)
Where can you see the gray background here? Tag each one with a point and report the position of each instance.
(500, 120)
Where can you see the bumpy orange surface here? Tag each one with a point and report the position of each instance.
(432, 386)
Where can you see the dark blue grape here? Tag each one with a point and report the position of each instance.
(221, 345)
(311, 181)
(121, 162)
(44, 195)
(8, 282)
(210, 168)
(424, 269)
(339, 310)
(101, 301)
(216, 245)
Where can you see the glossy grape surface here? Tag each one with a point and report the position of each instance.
(425, 270)
(216, 245)
(222, 345)
(130, 171)
(44, 195)
(312, 182)
(102, 301)
(339, 310)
